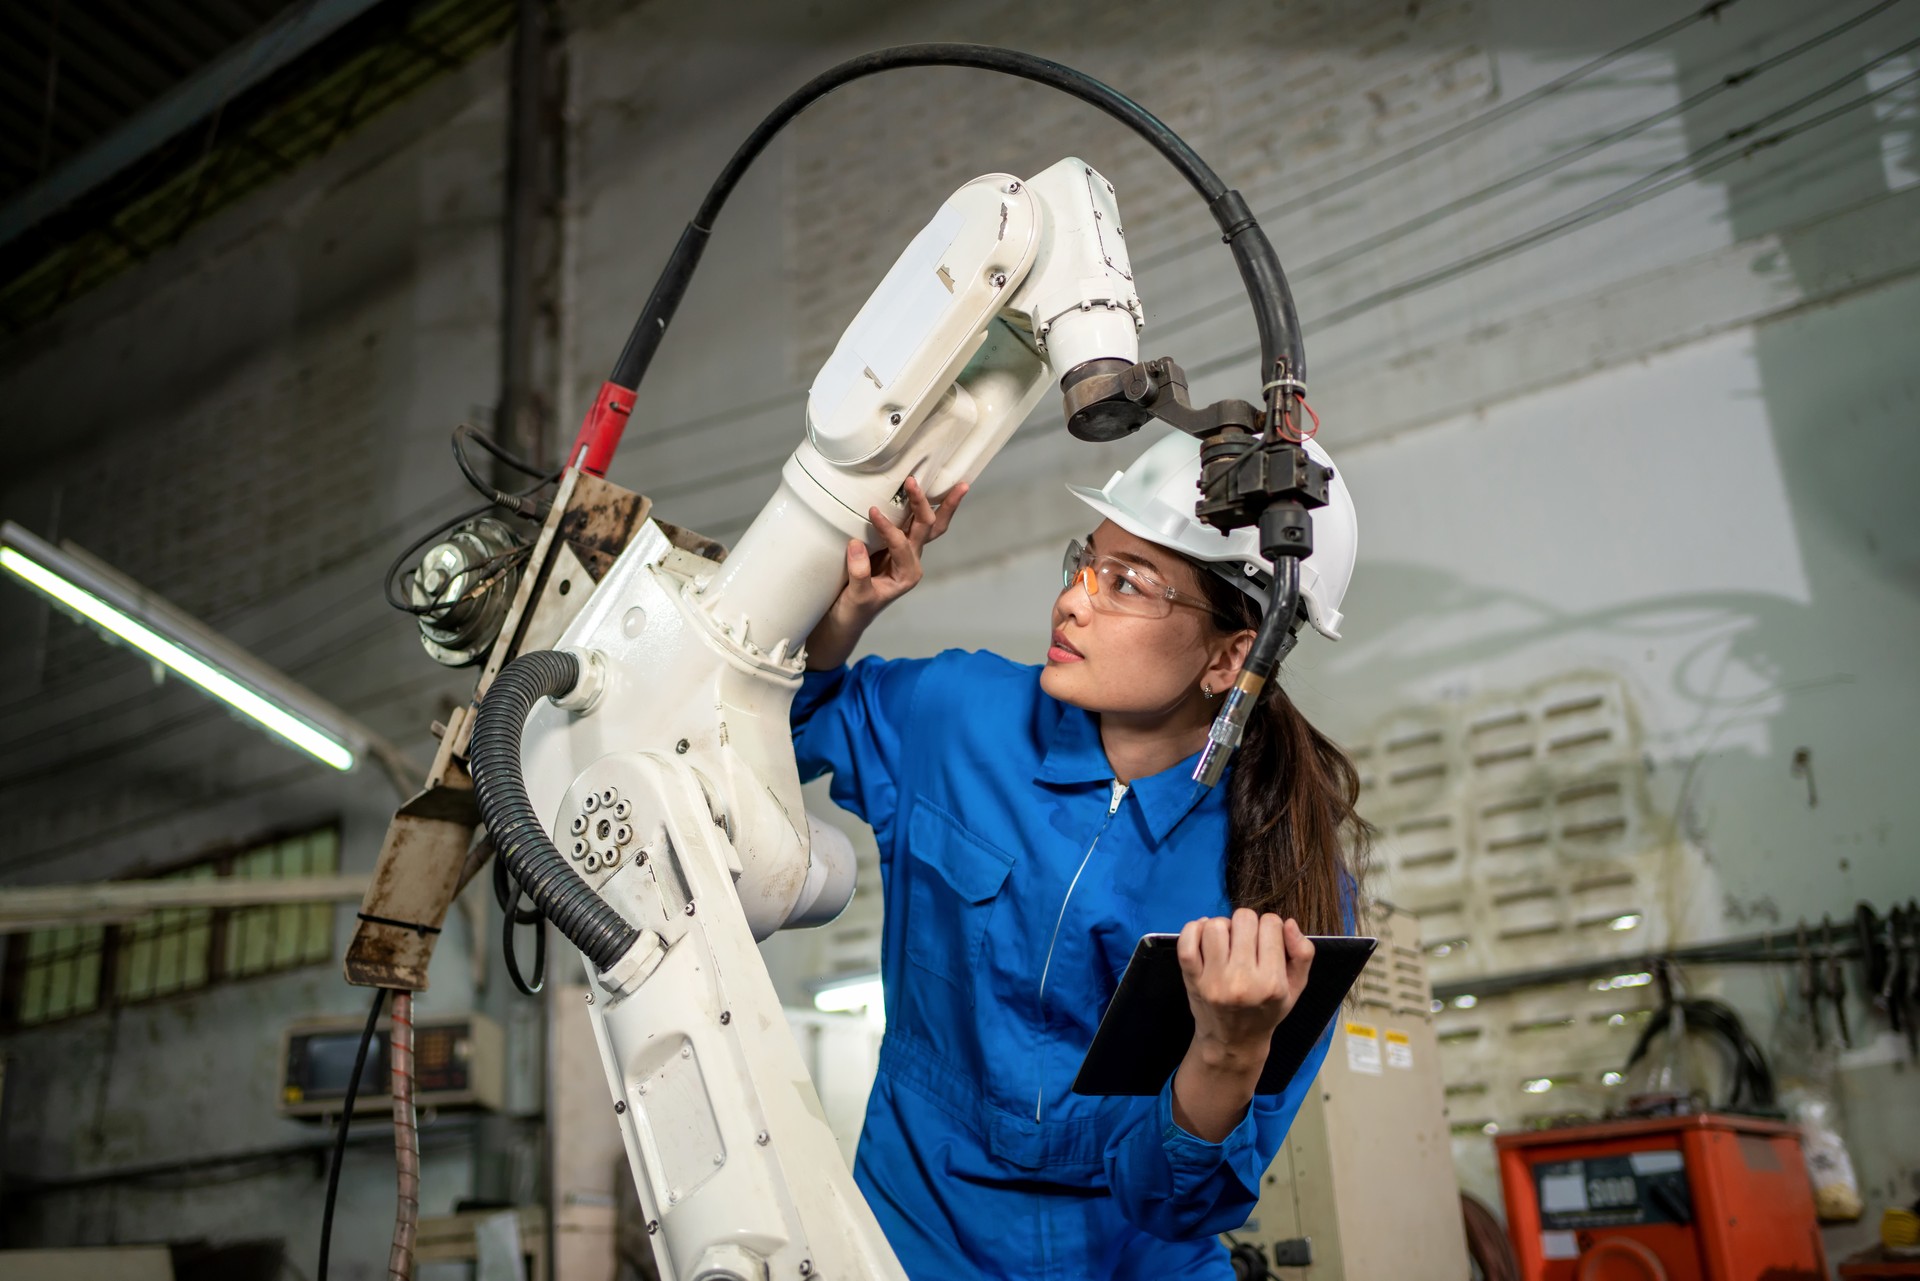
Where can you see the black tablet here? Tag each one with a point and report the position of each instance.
(1145, 1032)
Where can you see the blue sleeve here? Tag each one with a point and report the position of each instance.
(1172, 1185)
(848, 722)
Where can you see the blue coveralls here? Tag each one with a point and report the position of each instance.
(1017, 878)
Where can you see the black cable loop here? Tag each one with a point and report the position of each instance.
(1267, 290)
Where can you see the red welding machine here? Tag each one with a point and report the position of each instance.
(1707, 1197)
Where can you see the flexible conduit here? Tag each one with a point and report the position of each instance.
(519, 838)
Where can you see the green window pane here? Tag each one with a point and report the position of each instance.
(167, 962)
(287, 920)
(59, 986)
(326, 852)
(33, 995)
(319, 931)
(87, 983)
(136, 968)
(199, 944)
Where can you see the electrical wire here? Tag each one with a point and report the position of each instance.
(508, 893)
(340, 1141)
(1426, 146)
(1697, 164)
(1552, 164)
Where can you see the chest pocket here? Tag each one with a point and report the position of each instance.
(955, 878)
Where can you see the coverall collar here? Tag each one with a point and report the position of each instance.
(1074, 755)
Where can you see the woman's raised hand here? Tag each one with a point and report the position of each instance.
(877, 579)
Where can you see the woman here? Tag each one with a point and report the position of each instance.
(1032, 824)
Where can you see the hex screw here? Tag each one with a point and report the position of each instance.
(894, 419)
(653, 1227)
(689, 909)
(681, 747)
(998, 280)
(726, 1017)
(619, 1107)
(1013, 188)
(761, 1138)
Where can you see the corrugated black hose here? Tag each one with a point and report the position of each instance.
(519, 838)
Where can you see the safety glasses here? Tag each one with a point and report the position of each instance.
(1115, 587)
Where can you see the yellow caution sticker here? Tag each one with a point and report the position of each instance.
(1363, 1048)
(1399, 1049)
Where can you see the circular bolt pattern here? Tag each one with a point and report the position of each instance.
(622, 835)
(623, 809)
(610, 858)
(603, 829)
(608, 796)
(591, 803)
(579, 824)
(591, 862)
(579, 849)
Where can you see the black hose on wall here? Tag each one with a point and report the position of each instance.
(519, 838)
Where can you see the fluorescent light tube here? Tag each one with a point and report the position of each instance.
(842, 996)
(177, 644)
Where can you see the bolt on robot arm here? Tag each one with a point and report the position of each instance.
(653, 807)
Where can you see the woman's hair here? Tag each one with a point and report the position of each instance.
(1295, 843)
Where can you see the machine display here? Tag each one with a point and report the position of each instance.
(628, 748)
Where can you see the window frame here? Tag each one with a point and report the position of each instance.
(217, 966)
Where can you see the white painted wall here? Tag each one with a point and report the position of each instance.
(1669, 451)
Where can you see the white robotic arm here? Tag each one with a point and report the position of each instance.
(666, 775)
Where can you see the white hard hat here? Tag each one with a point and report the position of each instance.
(1154, 499)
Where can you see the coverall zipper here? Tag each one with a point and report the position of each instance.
(1113, 807)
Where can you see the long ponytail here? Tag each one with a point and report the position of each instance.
(1296, 844)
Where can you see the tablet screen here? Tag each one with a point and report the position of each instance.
(1148, 1025)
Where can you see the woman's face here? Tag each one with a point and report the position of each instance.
(1133, 664)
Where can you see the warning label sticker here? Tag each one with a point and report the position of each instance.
(1399, 1049)
(1363, 1048)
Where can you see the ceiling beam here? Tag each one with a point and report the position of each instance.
(118, 902)
(297, 30)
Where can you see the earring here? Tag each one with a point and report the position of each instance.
(1206, 691)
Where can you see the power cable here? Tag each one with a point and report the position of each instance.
(340, 1141)
(1426, 146)
(1659, 182)
(1551, 164)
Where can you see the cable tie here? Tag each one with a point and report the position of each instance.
(1294, 385)
(415, 926)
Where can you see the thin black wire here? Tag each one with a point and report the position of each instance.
(1551, 164)
(508, 893)
(1428, 145)
(340, 1142)
(1688, 169)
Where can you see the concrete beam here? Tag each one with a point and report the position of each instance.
(117, 902)
(299, 28)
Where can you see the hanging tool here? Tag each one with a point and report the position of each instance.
(1836, 980)
(1810, 986)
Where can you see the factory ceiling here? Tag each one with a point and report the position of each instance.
(124, 123)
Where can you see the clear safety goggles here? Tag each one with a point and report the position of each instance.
(1116, 587)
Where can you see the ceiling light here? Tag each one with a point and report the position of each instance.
(132, 616)
(849, 995)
